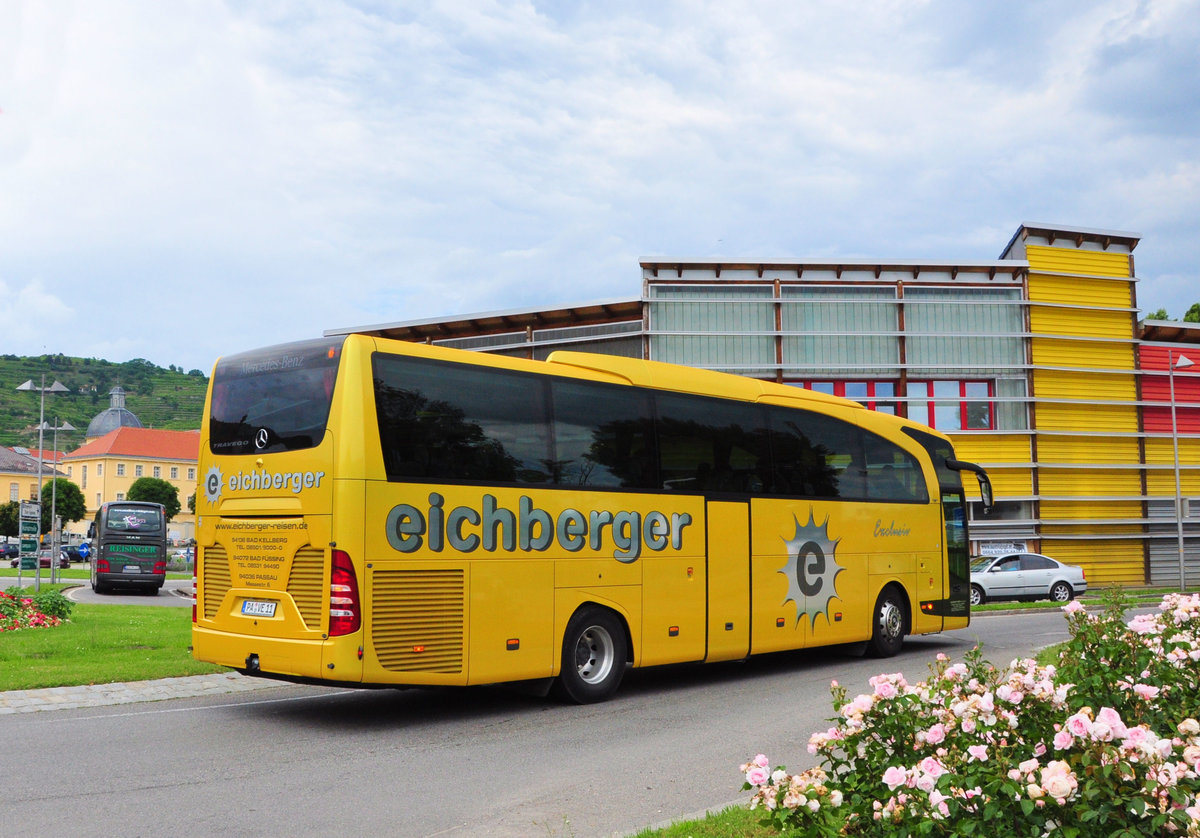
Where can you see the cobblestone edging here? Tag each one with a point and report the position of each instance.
(127, 692)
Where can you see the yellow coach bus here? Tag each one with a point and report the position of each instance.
(375, 512)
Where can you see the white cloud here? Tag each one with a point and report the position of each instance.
(238, 174)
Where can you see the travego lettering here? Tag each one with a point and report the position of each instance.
(494, 527)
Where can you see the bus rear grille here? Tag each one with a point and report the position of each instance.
(215, 567)
(306, 582)
(417, 620)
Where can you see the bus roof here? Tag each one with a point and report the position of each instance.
(683, 379)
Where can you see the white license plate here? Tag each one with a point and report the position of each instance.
(132, 568)
(258, 608)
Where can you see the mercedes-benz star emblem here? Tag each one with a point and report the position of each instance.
(260, 438)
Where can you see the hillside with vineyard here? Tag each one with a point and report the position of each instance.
(169, 398)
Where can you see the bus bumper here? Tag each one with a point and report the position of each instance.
(311, 660)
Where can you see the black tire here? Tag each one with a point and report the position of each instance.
(593, 656)
(1061, 592)
(977, 597)
(888, 623)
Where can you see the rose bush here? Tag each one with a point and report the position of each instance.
(43, 610)
(1105, 743)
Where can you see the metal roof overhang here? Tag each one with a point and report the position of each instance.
(1170, 331)
(501, 322)
(1013, 267)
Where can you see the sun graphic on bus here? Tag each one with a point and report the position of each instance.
(811, 570)
(212, 484)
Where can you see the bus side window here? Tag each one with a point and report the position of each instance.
(892, 473)
(812, 455)
(457, 422)
(712, 446)
(603, 435)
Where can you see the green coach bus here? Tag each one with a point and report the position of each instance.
(129, 546)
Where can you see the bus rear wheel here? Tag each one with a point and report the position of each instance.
(891, 616)
(593, 656)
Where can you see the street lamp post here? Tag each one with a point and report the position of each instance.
(56, 387)
(54, 528)
(1180, 363)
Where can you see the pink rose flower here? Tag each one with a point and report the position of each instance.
(895, 777)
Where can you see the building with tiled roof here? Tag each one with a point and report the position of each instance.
(105, 467)
(19, 473)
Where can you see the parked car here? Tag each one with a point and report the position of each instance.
(1024, 576)
(10, 550)
(44, 560)
(72, 553)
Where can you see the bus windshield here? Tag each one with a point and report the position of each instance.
(273, 400)
(133, 519)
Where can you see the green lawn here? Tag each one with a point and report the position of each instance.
(733, 822)
(101, 644)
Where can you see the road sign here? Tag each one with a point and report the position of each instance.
(31, 510)
(29, 559)
(29, 528)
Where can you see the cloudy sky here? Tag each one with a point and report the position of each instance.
(187, 179)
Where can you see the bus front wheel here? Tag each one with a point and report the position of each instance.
(593, 656)
(887, 633)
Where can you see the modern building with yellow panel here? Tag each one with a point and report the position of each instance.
(1035, 363)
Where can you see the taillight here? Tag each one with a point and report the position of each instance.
(102, 565)
(344, 612)
(160, 567)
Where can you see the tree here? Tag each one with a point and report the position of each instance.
(156, 490)
(1193, 314)
(67, 500)
(10, 516)
(1161, 314)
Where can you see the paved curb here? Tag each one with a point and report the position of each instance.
(127, 692)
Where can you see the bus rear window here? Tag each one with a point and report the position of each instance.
(139, 519)
(274, 399)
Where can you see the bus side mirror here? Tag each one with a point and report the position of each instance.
(91, 533)
(985, 492)
(985, 484)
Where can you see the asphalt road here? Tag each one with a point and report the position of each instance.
(315, 761)
(175, 592)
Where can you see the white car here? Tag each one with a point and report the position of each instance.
(1024, 576)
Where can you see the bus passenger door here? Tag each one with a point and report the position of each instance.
(728, 580)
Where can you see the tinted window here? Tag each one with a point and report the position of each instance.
(815, 455)
(603, 436)
(440, 421)
(893, 474)
(273, 399)
(708, 445)
(128, 518)
(1032, 562)
(939, 451)
(443, 421)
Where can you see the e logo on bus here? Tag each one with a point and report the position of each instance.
(212, 484)
(811, 569)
